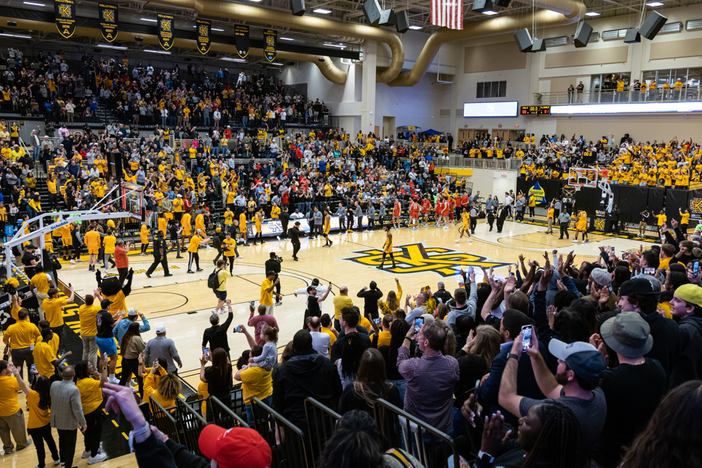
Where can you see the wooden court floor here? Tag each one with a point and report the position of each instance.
(424, 257)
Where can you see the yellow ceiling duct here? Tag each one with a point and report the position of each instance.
(324, 63)
(219, 9)
(555, 13)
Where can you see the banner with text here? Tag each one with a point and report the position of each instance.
(109, 27)
(241, 40)
(204, 30)
(269, 42)
(65, 17)
(165, 31)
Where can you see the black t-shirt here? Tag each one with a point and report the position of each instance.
(353, 400)
(104, 323)
(632, 393)
(215, 387)
(27, 258)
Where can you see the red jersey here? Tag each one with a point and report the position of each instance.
(439, 207)
(465, 199)
(451, 205)
(445, 209)
(414, 210)
(458, 202)
(396, 211)
(426, 206)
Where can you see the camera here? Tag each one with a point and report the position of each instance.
(278, 259)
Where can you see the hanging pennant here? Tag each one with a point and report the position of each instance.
(269, 40)
(204, 28)
(109, 28)
(165, 31)
(65, 17)
(241, 40)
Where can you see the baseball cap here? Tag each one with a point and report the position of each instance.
(161, 329)
(237, 447)
(640, 285)
(601, 276)
(690, 293)
(105, 303)
(132, 312)
(628, 334)
(583, 358)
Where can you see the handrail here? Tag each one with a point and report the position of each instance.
(321, 422)
(286, 440)
(228, 418)
(163, 420)
(426, 443)
(190, 425)
(629, 94)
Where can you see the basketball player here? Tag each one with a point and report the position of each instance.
(426, 208)
(396, 214)
(438, 209)
(445, 214)
(581, 226)
(387, 249)
(326, 229)
(465, 217)
(414, 214)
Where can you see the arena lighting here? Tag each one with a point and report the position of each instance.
(285, 39)
(230, 59)
(153, 51)
(218, 29)
(18, 36)
(491, 109)
(415, 28)
(108, 46)
(592, 13)
(489, 12)
(150, 20)
(642, 108)
(321, 11)
(278, 64)
(34, 4)
(651, 4)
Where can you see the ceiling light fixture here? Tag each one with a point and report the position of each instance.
(18, 36)
(109, 46)
(277, 64)
(150, 20)
(340, 46)
(651, 4)
(285, 38)
(415, 28)
(230, 59)
(321, 11)
(34, 4)
(153, 51)
(592, 13)
(489, 12)
(218, 29)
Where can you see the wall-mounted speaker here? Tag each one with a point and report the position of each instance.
(297, 7)
(480, 6)
(387, 18)
(652, 25)
(503, 3)
(402, 21)
(582, 35)
(523, 39)
(538, 45)
(632, 36)
(372, 11)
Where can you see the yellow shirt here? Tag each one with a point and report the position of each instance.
(228, 217)
(22, 334)
(257, 383)
(37, 416)
(41, 281)
(9, 404)
(275, 212)
(266, 297)
(339, 303)
(151, 390)
(194, 243)
(685, 218)
(44, 354)
(185, 222)
(52, 310)
(87, 314)
(228, 245)
(661, 219)
(383, 338)
(144, 234)
(92, 240)
(90, 394)
(109, 242)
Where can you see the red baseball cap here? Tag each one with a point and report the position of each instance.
(235, 448)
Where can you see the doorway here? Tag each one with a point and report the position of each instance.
(388, 127)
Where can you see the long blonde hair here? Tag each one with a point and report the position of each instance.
(486, 343)
(391, 301)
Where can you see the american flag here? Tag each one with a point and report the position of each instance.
(447, 13)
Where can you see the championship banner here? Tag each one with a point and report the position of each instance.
(241, 40)
(65, 11)
(269, 39)
(109, 28)
(204, 28)
(538, 193)
(165, 31)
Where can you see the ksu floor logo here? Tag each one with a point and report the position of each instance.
(418, 258)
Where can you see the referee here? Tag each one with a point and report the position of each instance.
(160, 257)
(295, 233)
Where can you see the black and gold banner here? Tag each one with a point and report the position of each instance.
(109, 26)
(241, 40)
(269, 40)
(65, 17)
(204, 30)
(165, 31)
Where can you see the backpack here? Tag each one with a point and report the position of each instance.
(213, 280)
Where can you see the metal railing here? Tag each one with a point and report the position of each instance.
(190, 425)
(163, 420)
(321, 423)
(597, 96)
(426, 443)
(222, 415)
(459, 162)
(287, 441)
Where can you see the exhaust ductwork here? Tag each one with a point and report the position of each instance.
(557, 13)
(324, 63)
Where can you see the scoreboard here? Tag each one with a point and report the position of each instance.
(535, 110)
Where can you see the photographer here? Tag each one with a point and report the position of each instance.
(273, 264)
(29, 260)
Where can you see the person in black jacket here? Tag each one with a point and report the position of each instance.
(295, 234)
(216, 335)
(273, 264)
(370, 296)
(284, 219)
(305, 374)
(160, 256)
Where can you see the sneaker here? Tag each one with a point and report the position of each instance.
(238, 256)
(445, 228)
(586, 241)
(85, 455)
(458, 240)
(169, 274)
(199, 269)
(79, 260)
(574, 241)
(379, 267)
(148, 275)
(113, 380)
(279, 303)
(57, 461)
(29, 442)
(100, 457)
(73, 261)
(277, 237)
(191, 271)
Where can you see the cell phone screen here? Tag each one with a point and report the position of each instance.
(649, 271)
(695, 268)
(206, 352)
(526, 337)
(418, 322)
(377, 321)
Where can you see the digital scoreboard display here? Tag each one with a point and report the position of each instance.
(535, 110)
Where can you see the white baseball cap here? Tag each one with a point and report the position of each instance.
(161, 328)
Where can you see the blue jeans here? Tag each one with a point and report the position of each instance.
(249, 409)
(401, 386)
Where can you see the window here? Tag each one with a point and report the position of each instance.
(491, 89)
